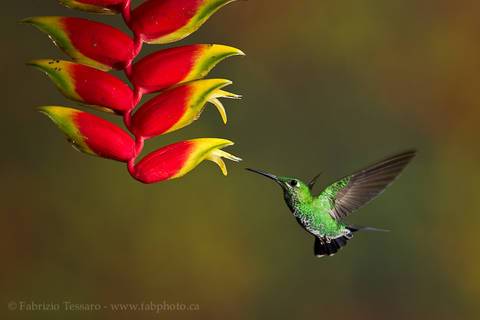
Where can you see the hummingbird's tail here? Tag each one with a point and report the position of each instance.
(322, 248)
(354, 228)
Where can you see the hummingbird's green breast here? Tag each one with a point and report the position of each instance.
(316, 217)
(318, 221)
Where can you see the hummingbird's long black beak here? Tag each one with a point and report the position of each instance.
(268, 175)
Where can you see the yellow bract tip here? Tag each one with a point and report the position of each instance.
(216, 156)
(220, 108)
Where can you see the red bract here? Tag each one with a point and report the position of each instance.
(178, 107)
(88, 85)
(176, 72)
(163, 69)
(163, 21)
(92, 134)
(89, 42)
(178, 159)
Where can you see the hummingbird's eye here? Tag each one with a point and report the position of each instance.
(294, 183)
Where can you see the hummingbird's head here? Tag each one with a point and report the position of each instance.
(295, 191)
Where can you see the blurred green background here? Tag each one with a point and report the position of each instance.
(327, 85)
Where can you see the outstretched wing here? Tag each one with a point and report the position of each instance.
(351, 192)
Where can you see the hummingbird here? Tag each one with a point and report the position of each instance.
(322, 215)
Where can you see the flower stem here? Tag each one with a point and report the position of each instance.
(127, 116)
(139, 142)
(137, 46)
(131, 167)
(127, 119)
(126, 12)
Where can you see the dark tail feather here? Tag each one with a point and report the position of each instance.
(340, 242)
(328, 249)
(354, 228)
(331, 248)
(321, 249)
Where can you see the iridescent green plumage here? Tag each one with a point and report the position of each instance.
(323, 215)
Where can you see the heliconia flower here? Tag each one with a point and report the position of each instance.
(91, 134)
(95, 6)
(88, 42)
(164, 21)
(178, 107)
(165, 68)
(175, 160)
(89, 86)
(176, 72)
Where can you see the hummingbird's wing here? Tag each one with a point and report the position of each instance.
(353, 191)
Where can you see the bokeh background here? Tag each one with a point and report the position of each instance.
(328, 86)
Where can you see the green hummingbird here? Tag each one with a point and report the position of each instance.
(322, 215)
